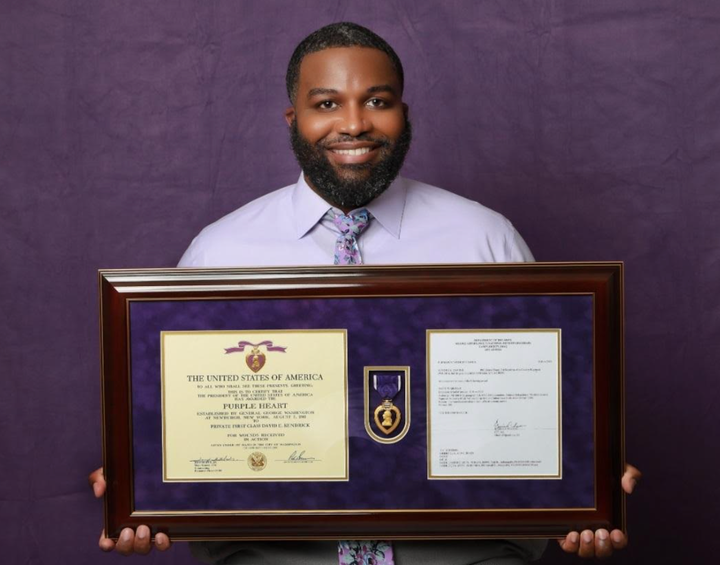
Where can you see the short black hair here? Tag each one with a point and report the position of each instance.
(341, 34)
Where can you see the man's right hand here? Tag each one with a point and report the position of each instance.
(130, 541)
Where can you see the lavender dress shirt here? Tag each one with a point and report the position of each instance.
(412, 222)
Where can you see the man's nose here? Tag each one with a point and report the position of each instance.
(354, 122)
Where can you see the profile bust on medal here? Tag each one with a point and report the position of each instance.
(350, 132)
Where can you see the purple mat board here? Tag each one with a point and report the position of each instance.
(381, 331)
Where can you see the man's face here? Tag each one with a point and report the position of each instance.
(349, 127)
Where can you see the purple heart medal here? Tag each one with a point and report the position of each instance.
(255, 360)
(388, 386)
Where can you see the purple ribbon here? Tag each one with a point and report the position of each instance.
(243, 344)
(387, 385)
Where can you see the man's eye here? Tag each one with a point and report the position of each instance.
(377, 103)
(327, 105)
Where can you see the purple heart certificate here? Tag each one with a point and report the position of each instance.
(254, 405)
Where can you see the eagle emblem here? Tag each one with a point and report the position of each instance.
(257, 461)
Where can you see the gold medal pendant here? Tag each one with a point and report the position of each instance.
(388, 385)
(388, 424)
(255, 360)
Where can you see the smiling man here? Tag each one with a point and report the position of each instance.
(350, 133)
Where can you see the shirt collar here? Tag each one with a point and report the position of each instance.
(308, 207)
(387, 209)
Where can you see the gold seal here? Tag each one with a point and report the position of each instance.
(257, 461)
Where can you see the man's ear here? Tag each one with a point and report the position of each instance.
(290, 115)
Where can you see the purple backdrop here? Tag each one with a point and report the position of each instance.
(124, 124)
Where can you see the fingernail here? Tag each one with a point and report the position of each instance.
(633, 484)
(587, 537)
(126, 534)
(574, 537)
(96, 489)
(141, 533)
(603, 536)
(616, 536)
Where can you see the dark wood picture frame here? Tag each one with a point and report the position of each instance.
(602, 280)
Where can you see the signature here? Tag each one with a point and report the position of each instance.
(509, 426)
(299, 456)
(206, 461)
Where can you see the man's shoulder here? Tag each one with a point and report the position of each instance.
(449, 207)
(241, 236)
(440, 219)
(259, 213)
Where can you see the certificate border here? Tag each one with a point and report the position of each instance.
(604, 280)
(344, 478)
(430, 476)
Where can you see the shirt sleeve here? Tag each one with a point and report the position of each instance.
(518, 251)
(192, 258)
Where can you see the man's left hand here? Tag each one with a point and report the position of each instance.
(602, 543)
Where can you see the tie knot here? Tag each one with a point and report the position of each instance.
(350, 227)
(351, 224)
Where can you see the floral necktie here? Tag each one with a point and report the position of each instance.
(365, 553)
(350, 227)
(347, 252)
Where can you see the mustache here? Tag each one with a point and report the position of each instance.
(380, 141)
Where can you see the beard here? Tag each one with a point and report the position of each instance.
(350, 186)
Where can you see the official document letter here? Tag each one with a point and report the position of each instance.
(494, 404)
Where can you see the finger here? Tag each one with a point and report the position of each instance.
(96, 475)
(603, 548)
(98, 489)
(141, 543)
(587, 544)
(97, 482)
(570, 543)
(630, 478)
(124, 545)
(162, 541)
(105, 543)
(618, 539)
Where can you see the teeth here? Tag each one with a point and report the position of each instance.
(360, 151)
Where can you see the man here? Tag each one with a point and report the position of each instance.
(350, 133)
